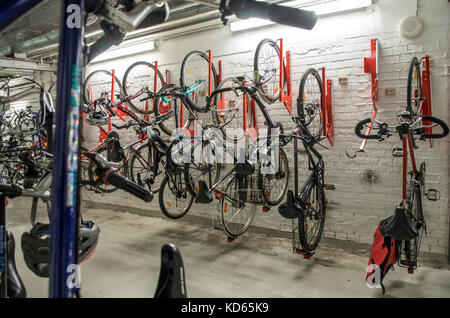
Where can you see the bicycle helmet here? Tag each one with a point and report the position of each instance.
(36, 245)
(96, 118)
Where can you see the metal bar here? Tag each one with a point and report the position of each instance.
(64, 215)
(404, 167)
(411, 152)
(3, 248)
(26, 65)
(324, 104)
(209, 71)
(281, 70)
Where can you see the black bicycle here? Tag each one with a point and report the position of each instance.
(306, 207)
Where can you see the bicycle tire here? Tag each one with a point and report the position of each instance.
(233, 230)
(318, 192)
(167, 203)
(262, 91)
(103, 88)
(205, 173)
(310, 102)
(184, 82)
(151, 172)
(415, 211)
(128, 90)
(169, 125)
(414, 92)
(235, 117)
(267, 195)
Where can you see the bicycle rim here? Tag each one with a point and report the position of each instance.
(274, 186)
(138, 76)
(105, 188)
(411, 248)
(414, 88)
(196, 171)
(230, 108)
(174, 198)
(312, 219)
(195, 67)
(237, 215)
(144, 167)
(310, 106)
(99, 83)
(168, 126)
(266, 63)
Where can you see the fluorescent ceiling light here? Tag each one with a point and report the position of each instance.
(126, 48)
(321, 8)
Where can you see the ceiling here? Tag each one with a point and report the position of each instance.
(35, 35)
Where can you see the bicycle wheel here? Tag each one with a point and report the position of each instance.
(174, 198)
(105, 188)
(195, 67)
(236, 213)
(414, 88)
(312, 220)
(138, 76)
(98, 84)
(415, 212)
(266, 65)
(144, 167)
(274, 186)
(182, 118)
(310, 102)
(230, 109)
(201, 169)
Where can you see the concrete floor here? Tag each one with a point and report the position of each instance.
(127, 260)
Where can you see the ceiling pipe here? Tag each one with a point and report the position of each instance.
(199, 20)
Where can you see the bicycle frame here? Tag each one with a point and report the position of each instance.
(407, 142)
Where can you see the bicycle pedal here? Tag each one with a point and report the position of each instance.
(219, 195)
(329, 186)
(265, 209)
(230, 239)
(397, 152)
(301, 150)
(432, 195)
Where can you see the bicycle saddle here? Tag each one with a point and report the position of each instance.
(399, 226)
(155, 139)
(16, 288)
(289, 210)
(171, 283)
(203, 194)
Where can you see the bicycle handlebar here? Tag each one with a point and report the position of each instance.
(121, 182)
(281, 14)
(143, 123)
(108, 174)
(11, 190)
(385, 130)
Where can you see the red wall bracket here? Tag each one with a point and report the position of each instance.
(371, 67)
(285, 76)
(426, 93)
(327, 109)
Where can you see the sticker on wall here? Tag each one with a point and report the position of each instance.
(410, 27)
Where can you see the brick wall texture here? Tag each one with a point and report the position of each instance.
(339, 43)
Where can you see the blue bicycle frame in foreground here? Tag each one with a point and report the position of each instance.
(64, 214)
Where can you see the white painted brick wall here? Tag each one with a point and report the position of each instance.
(339, 43)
